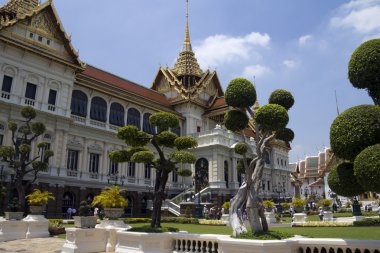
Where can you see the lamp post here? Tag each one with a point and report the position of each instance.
(306, 194)
(197, 199)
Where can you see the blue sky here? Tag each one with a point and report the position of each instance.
(301, 45)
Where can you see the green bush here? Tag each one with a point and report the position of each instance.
(59, 221)
(241, 148)
(272, 117)
(342, 181)
(367, 168)
(285, 134)
(282, 97)
(367, 222)
(185, 142)
(148, 229)
(354, 130)
(135, 220)
(240, 93)
(181, 220)
(270, 235)
(364, 66)
(164, 121)
(235, 120)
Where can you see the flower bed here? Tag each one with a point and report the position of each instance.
(212, 222)
(323, 224)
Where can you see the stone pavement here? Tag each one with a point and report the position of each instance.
(37, 245)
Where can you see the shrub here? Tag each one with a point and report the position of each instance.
(282, 97)
(298, 202)
(285, 134)
(272, 117)
(270, 235)
(268, 203)
(241, 148)
(148, 229)
(367, 168)
(110, 197)
(84, 208)
(38, 198)
(367, 222)
(163, 120)
(354, 130)
(226, 205)
(212, 222)
(285, 205)
(364, 66)
(326, 203)
(180, 220)
(342, 181)
(323, 224)
(135, 220)
(235, 120)
(240, 93)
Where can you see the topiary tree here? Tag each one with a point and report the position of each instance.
(268, 120)
(342, 181)
(364, 68)
(164, 163)
(354, 130)
(367, 168)
(18, 155)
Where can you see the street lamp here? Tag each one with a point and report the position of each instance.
(306, 191)
(197, 199)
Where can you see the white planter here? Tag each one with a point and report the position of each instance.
(80, 240)
(38, 226)
(37, 209)
(14, 215)
(85, 221)
(128, 242)
(113, 213)
(299, 218)
(328, 216)
(112, 227)
(270, 217)
(12, 230)
(226, 218)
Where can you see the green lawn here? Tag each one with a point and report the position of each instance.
(369, 233)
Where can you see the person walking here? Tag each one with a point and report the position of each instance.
(320, 214)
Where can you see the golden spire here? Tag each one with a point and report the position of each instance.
(187, 64)
(187, 43)
(17, 8)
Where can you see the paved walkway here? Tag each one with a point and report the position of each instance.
(38, 245)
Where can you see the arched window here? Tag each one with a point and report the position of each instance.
(98, 109)
(147, 127)
(117, 114)
(67, 201)
(226, 173)
(79, 103)
(134, 118)
(266, 157)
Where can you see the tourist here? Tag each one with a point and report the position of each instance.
(212, 213)
(320, 214)
(69, 212)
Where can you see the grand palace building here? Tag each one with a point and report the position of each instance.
(82, 107)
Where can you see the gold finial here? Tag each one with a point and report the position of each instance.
(187, 43)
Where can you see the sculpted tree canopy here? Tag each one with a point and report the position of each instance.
(367, 168)
(342, 181)
(268, 119)
(19, 156)
(173, 160)
(354, 130)
(364, 68)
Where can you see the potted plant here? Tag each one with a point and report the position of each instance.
(112, 201)
(56, 228)
(298, 204)
(85, 218)
(325, 204)
(226, 206)
(13, 213)
(37, 200)
(268, 204)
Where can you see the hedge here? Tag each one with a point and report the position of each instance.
(367, 222)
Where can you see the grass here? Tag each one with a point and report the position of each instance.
(361, 233)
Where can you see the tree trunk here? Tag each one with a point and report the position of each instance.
(156, 214)
(21, 194)
(236, 209)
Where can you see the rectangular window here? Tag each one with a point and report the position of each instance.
(263, 186)
(174, 177)
(31, 90)
(198, 129)
(114, 168)
(31, 35)
(131, 169)
(147, 171)
(52, 97)
(40, 38)
(72, 160)
(1, 139)
(268, 185)
(94, 163)
(7, 84)
(43, 158)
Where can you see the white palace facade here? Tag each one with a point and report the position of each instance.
(82, 106)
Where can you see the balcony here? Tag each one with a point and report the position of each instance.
(219, 136)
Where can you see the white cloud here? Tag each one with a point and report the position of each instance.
(363, 16)
(255, 71)
(291, 64)
(220, 49)
(304, 39)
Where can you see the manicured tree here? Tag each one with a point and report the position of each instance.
(18, 155)
(364, 68)
(342, 181)
(355, 137)
(268, 120)
(176, 154)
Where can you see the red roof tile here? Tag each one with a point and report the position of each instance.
(125, 84)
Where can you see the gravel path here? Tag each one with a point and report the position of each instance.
(37, 245)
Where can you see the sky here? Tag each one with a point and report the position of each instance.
(303, 46)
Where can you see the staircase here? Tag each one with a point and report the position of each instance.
(173, 205)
